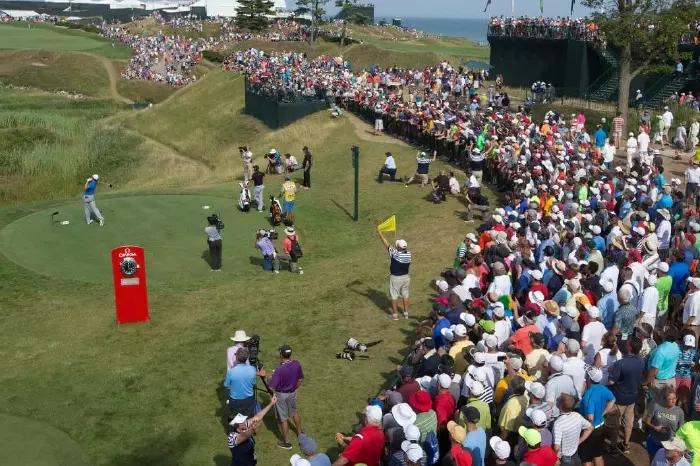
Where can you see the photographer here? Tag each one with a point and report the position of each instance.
(240, 440)
(285, 382)
(240, 380)
(214, 242)
(267, 249)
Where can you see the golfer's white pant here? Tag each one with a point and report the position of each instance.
(90, 208)
(258, 196)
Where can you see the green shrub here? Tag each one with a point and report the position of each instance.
(211, 55)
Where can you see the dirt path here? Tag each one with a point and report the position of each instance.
(114, 78)
(366, 132)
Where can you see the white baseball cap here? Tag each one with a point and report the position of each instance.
(444, 380)
(460, 330)
(537, 416)
(297, 460)
(413, 451)
(536, 389)
(500, 447)
(556, 363)
(412, 433)
(595, 374)
(95, 176)
(594, 312)
(373, 413)
(401, 244)
(476, 388)
(689, 340)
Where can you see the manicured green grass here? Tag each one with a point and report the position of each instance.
(150, 394)
(48, 37)
(31, 443)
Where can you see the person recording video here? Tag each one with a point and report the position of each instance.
(263, 242)
(240, 381)
(213, 232)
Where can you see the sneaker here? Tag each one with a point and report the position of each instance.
(394, 317)
(301, 272)
(90, 221)
(102, 222)
(405, 186)
(405, 315)
(284, 445)
(624, 447)
(276, 271)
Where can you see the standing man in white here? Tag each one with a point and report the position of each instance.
(89, 201)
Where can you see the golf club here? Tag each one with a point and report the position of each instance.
(53, 218)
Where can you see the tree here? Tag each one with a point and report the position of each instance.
(252, 14)
(349, 13)
(315, 9)
(645, 33)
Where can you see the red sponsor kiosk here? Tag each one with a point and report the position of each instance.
(130, 292)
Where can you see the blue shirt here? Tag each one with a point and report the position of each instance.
(665, 202)
(594, 400)
(600, 137)
(476, 442)
(626, 374)
(240, 380)
(664, 358)
(608, 307)
(599, 243)
(91, 185)
(437, 332)
(678, 271)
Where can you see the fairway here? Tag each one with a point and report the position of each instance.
(31, 443)
(48, 37)
(169, 227)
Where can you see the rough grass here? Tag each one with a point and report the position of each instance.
(149, 26)
(144, 91)
(50, 142)
(54, 71)
(49, 37)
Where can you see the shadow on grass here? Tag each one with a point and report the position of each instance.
(343, 209)
(222, 460)
(378, 297)
(222, 412)
(206, 257)
(161, 450)
(255, 260)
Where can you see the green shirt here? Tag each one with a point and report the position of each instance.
(690, 433)
(480, 141)
(426, 422)
(663, 284)
(484, 414)
(582, 194)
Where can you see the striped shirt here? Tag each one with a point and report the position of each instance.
(567, 431)
(400, 261)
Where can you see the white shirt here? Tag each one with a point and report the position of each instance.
(390, 163)
(691, 309)
(643, 140)
(631, 145)
(502, 331)
(608, 153)
(663, 232)
(501, 285)
(575, 367)
(592, 335)
(231, 355)
(247, 156)
(667, 117)
(650, 299)
(693, 174)
(611, 273)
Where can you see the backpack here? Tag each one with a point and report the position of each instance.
(296, 251)
(432, 450)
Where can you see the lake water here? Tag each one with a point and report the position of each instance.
(474, 29)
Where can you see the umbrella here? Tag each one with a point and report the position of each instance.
(477, 64)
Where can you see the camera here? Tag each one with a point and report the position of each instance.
(254, 350)
(271, 233)
(354, 345)
(214, 219)
(345, 354)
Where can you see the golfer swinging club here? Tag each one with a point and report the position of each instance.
(89, 201)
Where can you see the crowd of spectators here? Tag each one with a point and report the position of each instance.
(569, 317)
(545, 28)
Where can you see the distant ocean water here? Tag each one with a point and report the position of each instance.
(474, 29)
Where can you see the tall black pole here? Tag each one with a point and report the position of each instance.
(356, 164)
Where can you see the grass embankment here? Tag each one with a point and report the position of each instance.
(49, 37)
(142, 91)
(149, 27)
(150, 394)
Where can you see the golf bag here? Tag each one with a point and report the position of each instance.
(244, 198)
(275, 211)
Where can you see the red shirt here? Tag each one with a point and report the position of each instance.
(461, 456)
(444, 406)
(521, 338)
(408, 389)
(366, 446)
(542, 456)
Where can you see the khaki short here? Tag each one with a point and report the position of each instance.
(398, 286)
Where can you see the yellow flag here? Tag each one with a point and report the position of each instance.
(388, 224)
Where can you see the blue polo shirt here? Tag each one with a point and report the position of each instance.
(437, 335)
(599, 243)
(91, 185)
(240, 380)
(600, 137)
(594, 400)
(678, 271)
(664, 358)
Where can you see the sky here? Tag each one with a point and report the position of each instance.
(467, 8)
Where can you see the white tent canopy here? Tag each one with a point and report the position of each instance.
(19, 14)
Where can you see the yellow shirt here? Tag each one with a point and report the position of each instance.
(456, 353)
(536, 363)
(502, 386)
(512, 413)
(289, 190)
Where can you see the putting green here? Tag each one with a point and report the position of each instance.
(33, 443)
(169, 227)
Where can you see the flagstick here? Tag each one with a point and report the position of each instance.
(512, 8)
